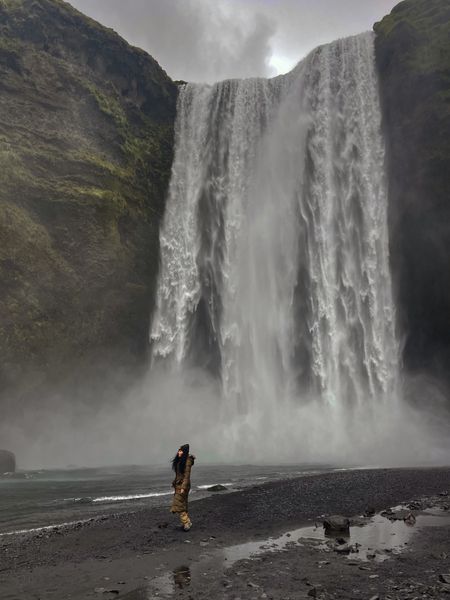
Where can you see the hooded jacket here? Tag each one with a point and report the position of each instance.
(182, 481)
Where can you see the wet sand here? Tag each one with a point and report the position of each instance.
(144, 555)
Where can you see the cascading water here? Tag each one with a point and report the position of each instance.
(275, 266)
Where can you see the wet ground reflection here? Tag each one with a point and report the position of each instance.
(182, 577)
(374, 539)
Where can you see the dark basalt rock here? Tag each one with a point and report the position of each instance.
(413, 57)
(86, 142)
(336, 523)
(7, 462)
(216, 488)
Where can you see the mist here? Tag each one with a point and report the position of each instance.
(147, 425)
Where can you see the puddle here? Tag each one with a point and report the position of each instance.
(375, 540)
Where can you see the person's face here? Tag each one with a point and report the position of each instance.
(180, 453)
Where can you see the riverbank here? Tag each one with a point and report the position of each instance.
(123, 555)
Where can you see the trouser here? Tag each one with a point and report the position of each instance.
(184, 518)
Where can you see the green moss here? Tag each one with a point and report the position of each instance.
(110, 106)
(12, 169)
(426, 23)
(100, 162)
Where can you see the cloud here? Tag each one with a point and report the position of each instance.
(195, 40)
(210, 40)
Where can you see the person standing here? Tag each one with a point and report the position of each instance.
(182, 464)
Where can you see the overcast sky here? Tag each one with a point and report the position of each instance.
(210, 40)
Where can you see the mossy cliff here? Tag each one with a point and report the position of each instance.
(413, 55)
(86, 141)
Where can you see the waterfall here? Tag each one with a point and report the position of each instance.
(274, 250)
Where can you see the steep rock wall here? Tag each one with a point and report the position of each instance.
(86, 128)
(413, 55)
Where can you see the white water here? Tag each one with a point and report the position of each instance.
(275, 264)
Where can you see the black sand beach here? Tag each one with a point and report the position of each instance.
(144, 555)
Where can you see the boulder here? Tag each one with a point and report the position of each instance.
(336, 523)
(7, 462)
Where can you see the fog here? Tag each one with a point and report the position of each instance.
(161, 412)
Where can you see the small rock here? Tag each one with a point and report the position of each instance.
(373, 576)
(410, 519)
(376, 597)
(343, 549)
(312, 593)
(398, 515)
(369, 512)
(216, 488)
(444, 577)
(443, 494)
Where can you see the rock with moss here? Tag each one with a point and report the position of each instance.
(413, 56)
(86, 142)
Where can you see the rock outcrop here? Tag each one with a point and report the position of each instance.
(86, 141)
(7, 462)
(413, 55)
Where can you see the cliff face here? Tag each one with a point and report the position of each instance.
(413, 55)
(7, 462)
(86, 127)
